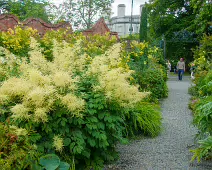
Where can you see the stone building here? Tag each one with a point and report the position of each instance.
(122, 23)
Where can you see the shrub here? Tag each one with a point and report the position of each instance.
(18, 40)
(145, 119)
(75, 105)
(150, 72)
(202, 91)
(15, 149)
(203, 121)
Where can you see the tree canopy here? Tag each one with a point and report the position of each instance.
(143, 25)
(169, 16)
(83, 13)
(26, 8)
(182, 23)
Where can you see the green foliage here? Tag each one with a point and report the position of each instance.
(201, 102)
(204, 150)
(130, 37)
(144, 119)
(203, 116)
(152, 80)
(15, 149)
(143, 25)
(82, 14)
(95, 83)
(52, 162)
(25, 9)
(150, 70)
(202, 21)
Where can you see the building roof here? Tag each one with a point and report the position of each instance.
(100, 28)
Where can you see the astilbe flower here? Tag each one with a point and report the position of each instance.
(113, 79)
(20, 112)
(73, 103)
(58, 143)
(19, 131)
(42, 83)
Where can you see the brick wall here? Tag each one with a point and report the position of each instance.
(10, 21)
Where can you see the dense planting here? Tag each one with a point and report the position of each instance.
(201, 102)
(75, 96)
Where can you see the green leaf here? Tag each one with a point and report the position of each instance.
(63, 123)
(101, 115)
(72, 145)
(67, 141)
(86, 153)
(91, 142)
(36, 167)
(64, 166)
(50, 161)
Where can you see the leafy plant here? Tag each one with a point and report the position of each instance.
(74, 105)
(52, 162)
(15, 150)
(204, 150)
(144, 119)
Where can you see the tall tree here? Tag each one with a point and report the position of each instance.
(203, 16)
(83, 13)
(143, 25)
(26, 8)
(168, 16)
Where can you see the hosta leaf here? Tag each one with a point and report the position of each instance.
(63, 166)
(50, 161)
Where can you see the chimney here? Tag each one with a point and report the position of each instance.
(121, 10)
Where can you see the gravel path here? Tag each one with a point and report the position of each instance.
(170, 150)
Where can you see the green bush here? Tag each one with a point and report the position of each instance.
(15, 150)
(145, 119)
(75, 98)
(203, 121)
(150, 70)
(75, 105)
(201, 102)
(152, 80)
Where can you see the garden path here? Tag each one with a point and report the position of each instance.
(170, 150)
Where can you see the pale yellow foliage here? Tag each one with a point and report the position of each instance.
(114, 79)
(58, 143)
(73, 103)
(20, 112)
(42, 83)
(19, 131)
(41, 115)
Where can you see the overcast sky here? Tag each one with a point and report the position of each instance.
(136, 6)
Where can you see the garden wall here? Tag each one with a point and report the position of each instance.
(10, 21)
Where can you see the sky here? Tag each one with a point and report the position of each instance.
(136, 5)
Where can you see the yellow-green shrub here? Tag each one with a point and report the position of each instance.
(15, 149)
(75, 104)
(18, 40)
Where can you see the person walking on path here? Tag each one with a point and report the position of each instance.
(181, 68)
